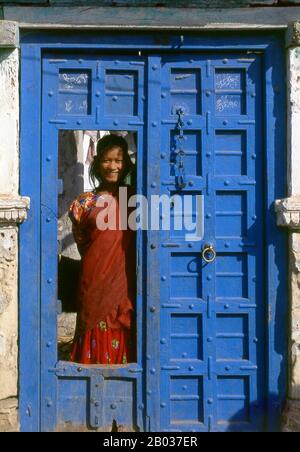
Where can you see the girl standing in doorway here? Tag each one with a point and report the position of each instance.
(106, 288)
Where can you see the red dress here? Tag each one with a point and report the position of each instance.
(105, 332)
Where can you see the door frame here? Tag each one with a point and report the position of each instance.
(33, 45)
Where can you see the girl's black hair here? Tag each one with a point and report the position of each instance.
(105, 144)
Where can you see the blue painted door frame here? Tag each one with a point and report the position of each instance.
(39, 372)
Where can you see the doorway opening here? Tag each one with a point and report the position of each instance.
(76, 151)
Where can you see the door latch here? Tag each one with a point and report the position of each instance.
(208, 253)
(179, 151)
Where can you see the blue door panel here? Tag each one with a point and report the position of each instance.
(205, 347)
(212, 314)
(85, 93)
(97, 399)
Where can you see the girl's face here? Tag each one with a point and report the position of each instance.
(112, 165)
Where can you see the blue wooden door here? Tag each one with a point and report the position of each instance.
(206, 330)
(82, 92)
(209, 317)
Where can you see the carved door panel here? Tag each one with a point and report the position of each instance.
(207, 119)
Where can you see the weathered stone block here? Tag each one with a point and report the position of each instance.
(66, 326)
(9, 421)
(9, 34)
(4, 299)
(13, 209)
(291, 417)
(293, 34)
(288, 212)
(8, 312)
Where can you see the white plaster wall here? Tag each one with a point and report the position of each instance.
(9, 185)
(294, 192)
(294, 122)
(9, 121)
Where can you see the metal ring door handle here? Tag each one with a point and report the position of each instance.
(206, 251)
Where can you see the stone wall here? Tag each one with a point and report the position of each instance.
(12, 212)
(9, 115)
(288, 211)
(291, 418)
(294, 209)
(9, 415)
